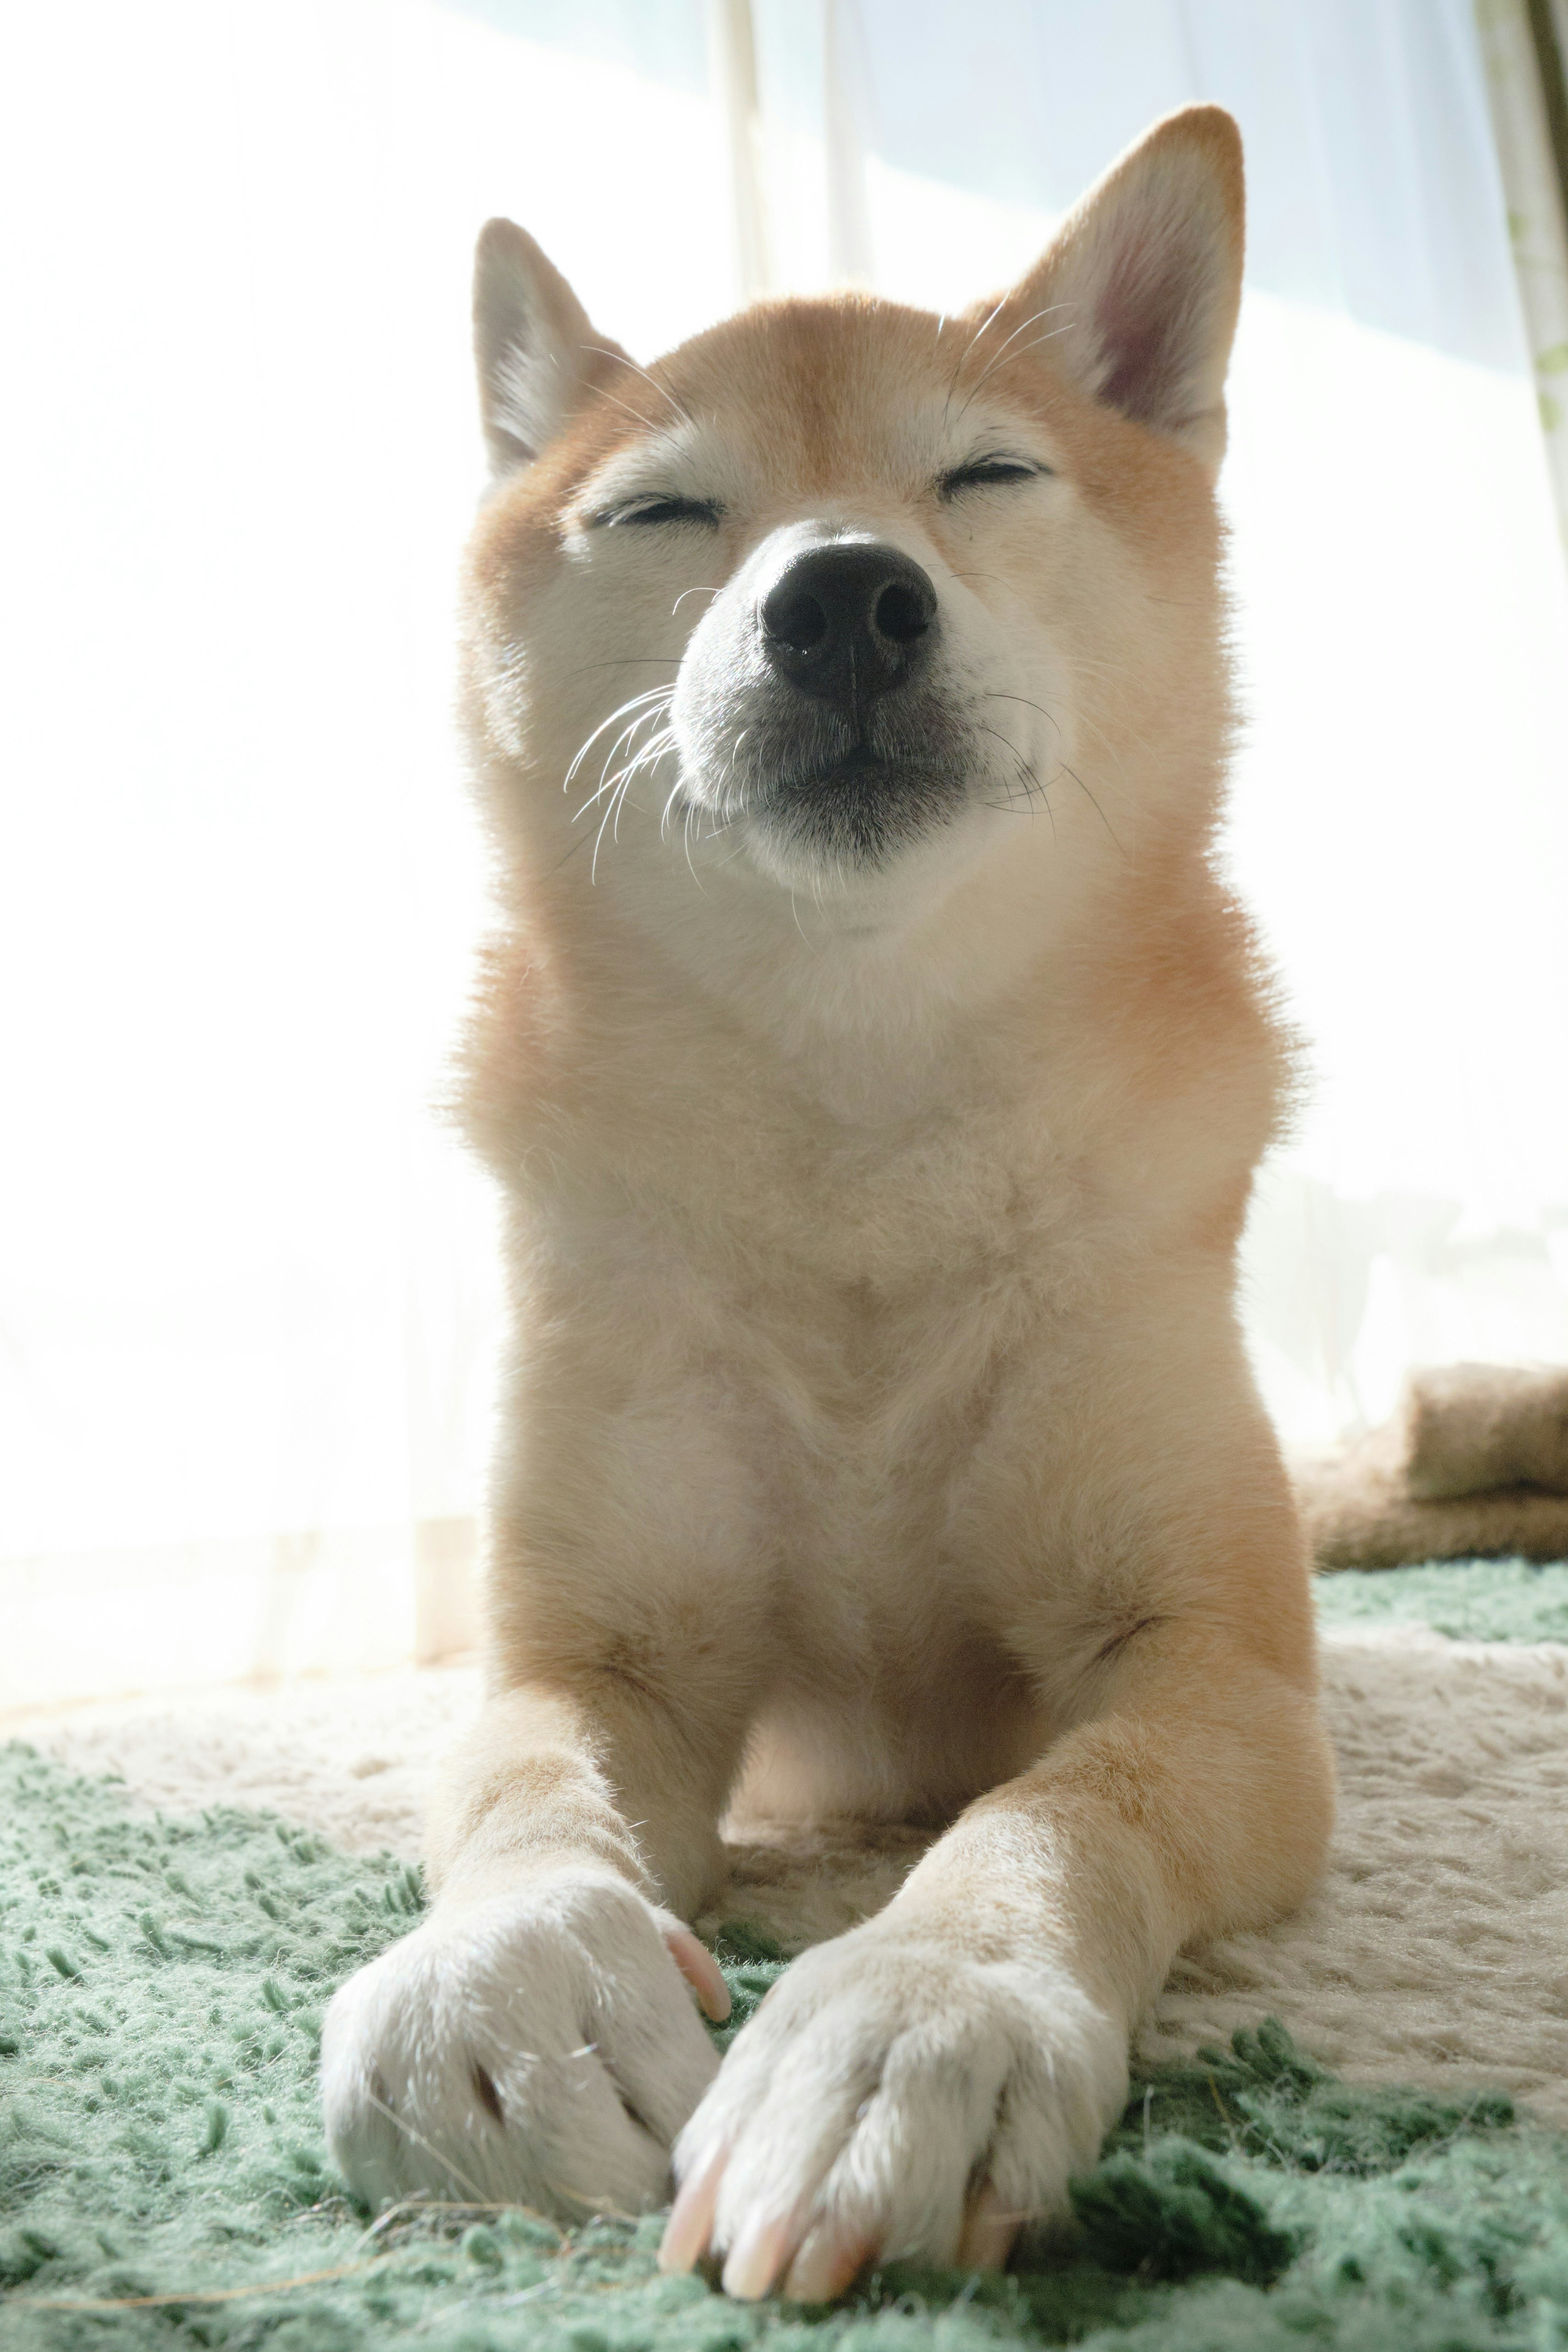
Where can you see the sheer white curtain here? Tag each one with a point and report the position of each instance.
(245, 1315)
(1401, 808)
(246, 1308)
(1525, 44)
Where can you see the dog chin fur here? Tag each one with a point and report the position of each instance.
(877, 1437)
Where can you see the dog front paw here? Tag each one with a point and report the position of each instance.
(892, 2099)
(538, 2047)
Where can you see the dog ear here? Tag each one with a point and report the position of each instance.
(1148, 272)
(536, 351)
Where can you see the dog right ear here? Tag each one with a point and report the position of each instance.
(535, 348)
(1141, 289)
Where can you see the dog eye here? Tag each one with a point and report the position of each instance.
(664, 511)
(981, 472)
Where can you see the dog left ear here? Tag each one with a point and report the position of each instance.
(1147, 273)
(539, 354)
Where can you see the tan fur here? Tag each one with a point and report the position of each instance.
(877, 1435)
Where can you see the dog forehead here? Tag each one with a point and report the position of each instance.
(820, 396)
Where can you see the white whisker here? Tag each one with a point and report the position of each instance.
(621, 360)
(686, 843)
(618, 786)
(606, 781)
(655, 694)
(635, 414)
(1049, 336)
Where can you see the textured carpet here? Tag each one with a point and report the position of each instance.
(1485, 1601)
(162, 1981)
(1435, 1951)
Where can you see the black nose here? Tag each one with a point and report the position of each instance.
(846, 622)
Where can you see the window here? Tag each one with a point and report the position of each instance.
(248, 1305)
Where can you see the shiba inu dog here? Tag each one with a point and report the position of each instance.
(874, 1067)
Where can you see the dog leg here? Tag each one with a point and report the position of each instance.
(923, 2085)
(533, 2040)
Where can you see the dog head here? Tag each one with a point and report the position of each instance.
(843, 595)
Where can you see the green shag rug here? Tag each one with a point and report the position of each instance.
(1470, 1601)
(163, 2179)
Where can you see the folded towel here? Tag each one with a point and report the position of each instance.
(1474, 1465)
(1360, 1513)
(1467, 1429)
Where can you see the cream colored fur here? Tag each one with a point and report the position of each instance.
(878, 1438)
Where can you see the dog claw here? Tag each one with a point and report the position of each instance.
(825, 2265)
(687, 2231)
(756, 2258)
(990, 2230)
(701, 1971)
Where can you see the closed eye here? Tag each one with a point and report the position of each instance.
(657, 511)
(981, 472)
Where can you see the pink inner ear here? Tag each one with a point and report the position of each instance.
(1149, 319)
